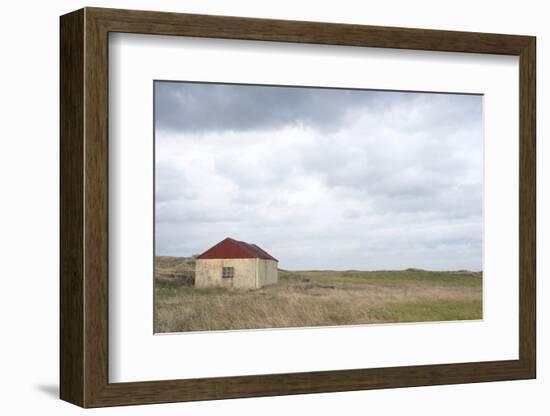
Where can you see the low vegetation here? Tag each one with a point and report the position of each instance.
(314, 298)
(175, 270)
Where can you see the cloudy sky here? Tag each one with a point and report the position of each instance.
(320, 178)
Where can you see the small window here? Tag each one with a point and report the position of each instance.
(227, 272)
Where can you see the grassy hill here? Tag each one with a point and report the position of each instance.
(314, 298)
(175, 270)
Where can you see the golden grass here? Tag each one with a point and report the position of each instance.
(320, 298)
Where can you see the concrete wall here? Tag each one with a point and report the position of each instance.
(208, 273)
(267, 272)
(248, 273)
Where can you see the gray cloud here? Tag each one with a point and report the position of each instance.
(322, 178)
(200, 107)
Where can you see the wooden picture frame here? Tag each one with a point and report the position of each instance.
(84, 207)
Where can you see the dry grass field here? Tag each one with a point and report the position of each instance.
(314, 298)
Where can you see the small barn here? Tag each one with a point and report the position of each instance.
(233, 263)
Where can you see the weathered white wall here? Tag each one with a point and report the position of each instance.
(248, 273)
(208, 273)
(267, 272)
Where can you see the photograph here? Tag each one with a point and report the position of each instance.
(295, 206)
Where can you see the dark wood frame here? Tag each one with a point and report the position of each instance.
(84, 207)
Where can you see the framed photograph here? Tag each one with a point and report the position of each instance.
(255, 207)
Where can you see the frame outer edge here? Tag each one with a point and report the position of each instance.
(295, 31)
(528, 208)
(96, 218)
(71, 290)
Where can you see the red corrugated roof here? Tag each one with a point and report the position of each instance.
(234, 249)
